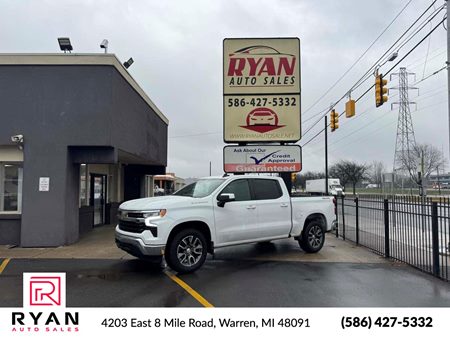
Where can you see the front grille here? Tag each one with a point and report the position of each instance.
(135, 214)
(136, 227)
(131, 226)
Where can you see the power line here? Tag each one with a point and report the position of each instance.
(416, 63)
(380, 128)
(380, 117)
(414, 33)
(436, 72)
(364, 77)
(359, 58)
(422, 25)
(390, 70)
(370, 109)
(392, 96)
(405, 56)
(426, 55)
(368, 74)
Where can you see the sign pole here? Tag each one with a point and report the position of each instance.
(326, 156)
(287, 180)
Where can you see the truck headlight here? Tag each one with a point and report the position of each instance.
(154, 213)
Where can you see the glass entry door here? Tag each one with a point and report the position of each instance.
(98, 197)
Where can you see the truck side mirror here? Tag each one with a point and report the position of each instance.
(224, 198)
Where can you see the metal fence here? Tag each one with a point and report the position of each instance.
(411, 229)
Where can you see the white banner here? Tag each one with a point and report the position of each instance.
(262, 158)
(223, 322)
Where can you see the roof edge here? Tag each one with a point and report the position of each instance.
(80, 59)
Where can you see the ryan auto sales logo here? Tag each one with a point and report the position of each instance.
(44, 290)
(261, 66)
(44, 299)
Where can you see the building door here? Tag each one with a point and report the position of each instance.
(98, 197)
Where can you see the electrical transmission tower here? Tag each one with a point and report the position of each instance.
(406, 141)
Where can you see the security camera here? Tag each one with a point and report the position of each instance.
(104, 45)
(17, 139)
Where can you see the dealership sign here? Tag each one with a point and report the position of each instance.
(261, 86)
(262, 158)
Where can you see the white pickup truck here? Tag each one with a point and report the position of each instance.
(216, 212)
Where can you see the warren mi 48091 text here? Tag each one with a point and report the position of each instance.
(209, 323)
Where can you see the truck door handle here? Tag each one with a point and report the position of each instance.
(284, 205)
(251, 206)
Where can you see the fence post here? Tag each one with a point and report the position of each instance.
(357, 220)
(435, 238)
(343, 218)
(386, 228)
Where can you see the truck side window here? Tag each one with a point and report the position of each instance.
(266, 189)
(240, 189)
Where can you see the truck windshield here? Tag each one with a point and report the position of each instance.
(336, 186)
(200, 188)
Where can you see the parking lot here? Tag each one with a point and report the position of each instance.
(257, 275)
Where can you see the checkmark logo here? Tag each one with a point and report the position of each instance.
(263, 158)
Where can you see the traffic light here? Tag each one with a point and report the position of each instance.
(350, 108)
(334, 120)
(380, 90)
(293, 177)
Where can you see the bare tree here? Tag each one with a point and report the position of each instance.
(376, 171)
(423, 158)
(349, 172)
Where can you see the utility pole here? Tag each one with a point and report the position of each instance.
(422, 190)
(438, 180)
(326, 155)
(210, 168)
(422, 174)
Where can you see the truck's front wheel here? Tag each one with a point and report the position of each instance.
(187, 251)
(313, 237)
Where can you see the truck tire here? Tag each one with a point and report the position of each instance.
(313, 237)
(186, 251)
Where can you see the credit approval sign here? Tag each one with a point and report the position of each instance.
(261, 87)
(262, 159)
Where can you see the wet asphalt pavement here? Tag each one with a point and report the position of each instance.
(233, 283)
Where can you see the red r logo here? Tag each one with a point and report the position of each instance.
(45, 290)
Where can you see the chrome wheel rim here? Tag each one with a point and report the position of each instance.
(189, 250)
(315, 236)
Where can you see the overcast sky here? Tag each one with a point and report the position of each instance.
(177, 49)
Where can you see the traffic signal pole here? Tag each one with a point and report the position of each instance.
(326, 155)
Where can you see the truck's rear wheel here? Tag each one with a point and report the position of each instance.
(313, 237)
(187, 251)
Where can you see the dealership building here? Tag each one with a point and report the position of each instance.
(78, 136)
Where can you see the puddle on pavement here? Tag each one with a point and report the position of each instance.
(104, 276)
